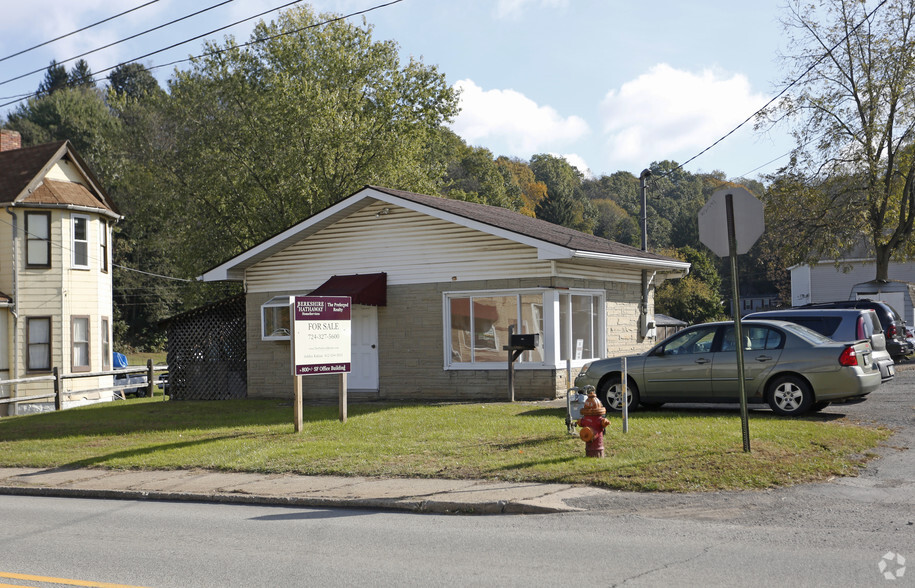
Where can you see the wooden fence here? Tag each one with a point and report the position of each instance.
(60, 393)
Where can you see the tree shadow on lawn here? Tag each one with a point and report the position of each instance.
(101, 460)
(119, 418)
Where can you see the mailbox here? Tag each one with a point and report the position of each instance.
(526, 341)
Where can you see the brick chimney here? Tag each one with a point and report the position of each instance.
(10, 140)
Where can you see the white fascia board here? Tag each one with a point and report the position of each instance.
(234, 269)
(655, 264)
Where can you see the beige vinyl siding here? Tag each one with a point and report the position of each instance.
(62, 292)
(412, 248)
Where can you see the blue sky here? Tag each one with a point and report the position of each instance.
(609, 84)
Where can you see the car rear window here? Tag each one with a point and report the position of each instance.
(824, 325)
(806, 333)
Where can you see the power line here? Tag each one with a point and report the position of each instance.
(782, 93)
(97, 77)
(87, 27)
(130, 269)
(140, 34)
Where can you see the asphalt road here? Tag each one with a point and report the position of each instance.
(845, 532)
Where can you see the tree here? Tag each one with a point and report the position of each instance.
(263, 136)
(564, 203)
(132, 80)
(55, 78)
(80, 75)
(695, 298)
(532, 191)
(78, 115)
(852, 174)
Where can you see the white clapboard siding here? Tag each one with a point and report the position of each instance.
(411, 247)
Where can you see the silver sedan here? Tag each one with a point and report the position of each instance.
(792, 368)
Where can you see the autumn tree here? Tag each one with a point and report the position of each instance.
(851, 177)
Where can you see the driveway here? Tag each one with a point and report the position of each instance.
(881, 497)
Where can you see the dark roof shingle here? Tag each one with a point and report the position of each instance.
(525, 225)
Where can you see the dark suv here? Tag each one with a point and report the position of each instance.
(892, 323)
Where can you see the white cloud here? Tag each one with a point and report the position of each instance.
(510, 119)
(669, 113)
(514, 8)
(577, 161)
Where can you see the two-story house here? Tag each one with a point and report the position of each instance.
(55, 274)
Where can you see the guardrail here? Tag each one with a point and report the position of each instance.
(59, 392)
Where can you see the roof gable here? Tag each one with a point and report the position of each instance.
(551, 241)
(22, 179)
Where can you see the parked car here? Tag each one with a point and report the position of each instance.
(892, 323)
(792, 368)
(841, 324)
(910, 337)
(119, 361)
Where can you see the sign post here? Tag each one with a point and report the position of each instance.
(729, 224)
(321, 343)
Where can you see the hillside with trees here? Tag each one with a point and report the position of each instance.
(254, 137)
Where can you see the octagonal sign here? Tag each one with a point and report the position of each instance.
(749, 223)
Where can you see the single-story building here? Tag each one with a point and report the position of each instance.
(435, 284)
(853, 278)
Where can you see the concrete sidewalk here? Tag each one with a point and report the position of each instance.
(407, 494)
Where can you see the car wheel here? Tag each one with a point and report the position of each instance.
(790, 396)
(611, 394)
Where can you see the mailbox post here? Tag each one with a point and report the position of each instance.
(517, 344)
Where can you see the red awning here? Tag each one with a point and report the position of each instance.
(367, 289)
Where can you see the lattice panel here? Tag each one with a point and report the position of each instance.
(207, 352)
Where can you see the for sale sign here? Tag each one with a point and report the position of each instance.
(321, 335)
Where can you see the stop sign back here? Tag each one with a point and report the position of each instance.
(749, 223)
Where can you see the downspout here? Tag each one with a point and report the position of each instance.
(14, 368)
(643, 303)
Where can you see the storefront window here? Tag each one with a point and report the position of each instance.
(478, 326)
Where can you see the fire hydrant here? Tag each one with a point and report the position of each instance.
(592, 425)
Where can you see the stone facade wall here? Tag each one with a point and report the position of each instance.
(411, 348)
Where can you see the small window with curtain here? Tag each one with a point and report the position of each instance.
(106, 345)
(80, 241)
(37, 239)
(38, 343)
(79, 332)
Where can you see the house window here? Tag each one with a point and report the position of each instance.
(106, 345)
(38, 344)
(580, 331)
(80, 246)
(275, 325)
(477, 326)
(38, 239)
(103, 246)
(79, 333)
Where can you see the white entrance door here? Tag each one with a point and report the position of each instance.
(364, 374)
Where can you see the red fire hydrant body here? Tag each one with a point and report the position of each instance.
(592, 425)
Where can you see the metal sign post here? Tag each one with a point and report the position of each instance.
(742, 216)
(738, 332)
(625, 397)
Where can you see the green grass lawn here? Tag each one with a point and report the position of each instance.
(664, 450)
